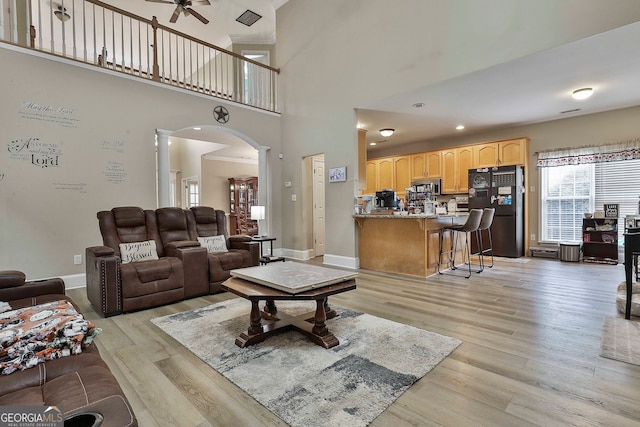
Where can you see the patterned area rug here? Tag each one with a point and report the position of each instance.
(302, 383)
(621, 340)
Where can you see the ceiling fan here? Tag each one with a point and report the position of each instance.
(184, 7)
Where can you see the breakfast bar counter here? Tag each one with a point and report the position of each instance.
(406, 244)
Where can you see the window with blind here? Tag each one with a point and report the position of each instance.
(567, 192)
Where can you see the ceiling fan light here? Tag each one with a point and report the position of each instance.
(61, 14)
(583, 93)
(387, 132)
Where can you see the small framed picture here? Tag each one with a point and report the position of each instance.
(611, 210)
(338, 174)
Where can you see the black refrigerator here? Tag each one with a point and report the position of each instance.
(502, 188)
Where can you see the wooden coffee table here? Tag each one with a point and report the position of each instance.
(318, 283)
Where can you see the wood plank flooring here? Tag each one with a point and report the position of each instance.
(530, 353)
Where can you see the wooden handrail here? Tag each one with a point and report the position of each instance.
(178, 33)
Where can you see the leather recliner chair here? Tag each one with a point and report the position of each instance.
(242, 252)
(114, 287)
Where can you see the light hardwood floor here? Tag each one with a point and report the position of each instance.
(530, 353)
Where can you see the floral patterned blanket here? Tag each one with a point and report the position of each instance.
(32, 335)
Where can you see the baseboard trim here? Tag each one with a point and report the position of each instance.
(294, 254)
(342, 261)
(75, 281)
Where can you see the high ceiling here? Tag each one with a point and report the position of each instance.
(532, 89)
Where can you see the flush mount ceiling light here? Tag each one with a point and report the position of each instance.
(583, 93)
(387, 132)
(61, 14)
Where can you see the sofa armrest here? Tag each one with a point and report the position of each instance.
(195, 264)
(247, 245)
(33, 289)
(104, 288)
(180, 244)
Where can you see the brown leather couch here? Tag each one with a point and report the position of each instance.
(184, 268)
(81, 384)
(179, 225)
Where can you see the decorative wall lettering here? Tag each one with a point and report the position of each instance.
(115, 172)
(64, 116)
(80, 187)
(41, 154)
(116, 145)
(1, 176)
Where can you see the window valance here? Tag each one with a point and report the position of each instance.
(625, 150)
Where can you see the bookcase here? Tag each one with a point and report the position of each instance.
(243, 193)
(600, 240)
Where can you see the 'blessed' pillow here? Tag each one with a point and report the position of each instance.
(214, 243)
(138, 251)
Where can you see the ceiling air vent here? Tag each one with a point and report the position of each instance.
(248, 18)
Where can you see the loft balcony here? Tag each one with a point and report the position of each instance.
(95, 33)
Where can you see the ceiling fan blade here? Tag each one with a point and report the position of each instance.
(176, 14)
(197, 15)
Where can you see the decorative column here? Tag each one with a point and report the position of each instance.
(263, 187)
(164, 173)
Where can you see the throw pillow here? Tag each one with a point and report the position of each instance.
(214, 243)
(138, 251)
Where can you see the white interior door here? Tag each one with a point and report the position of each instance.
(318, 205)
(191, 192)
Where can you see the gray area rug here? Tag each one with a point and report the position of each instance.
(621, 340)
(302, 383)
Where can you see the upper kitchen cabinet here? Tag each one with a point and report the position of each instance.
(380, 174)
(401, 175)
(426, 165)
(502, 153)
(362, 160)
(456, 163)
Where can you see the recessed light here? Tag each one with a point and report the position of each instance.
(460, 127)
(583, 93)
(418, 105)
(372, 143)
(197, 128)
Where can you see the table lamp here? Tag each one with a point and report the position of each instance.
(258, 214)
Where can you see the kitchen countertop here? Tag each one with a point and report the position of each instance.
(412, 216)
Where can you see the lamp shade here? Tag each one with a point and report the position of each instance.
(257, 212)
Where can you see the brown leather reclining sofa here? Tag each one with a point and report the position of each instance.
(81, 384)
(183, 269)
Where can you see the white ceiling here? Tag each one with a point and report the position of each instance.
(532, 89)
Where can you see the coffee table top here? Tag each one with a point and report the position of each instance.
(293, 277)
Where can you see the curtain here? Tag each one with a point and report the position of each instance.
(625, 150)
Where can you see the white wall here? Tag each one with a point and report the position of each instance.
(336, 56)
(98, 132)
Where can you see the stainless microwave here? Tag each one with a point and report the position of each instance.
(432, 186)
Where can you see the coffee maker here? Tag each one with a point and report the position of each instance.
(386, 199)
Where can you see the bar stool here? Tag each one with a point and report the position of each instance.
(470, 226)
(485, 224)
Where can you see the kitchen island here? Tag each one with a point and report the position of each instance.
(406, 244)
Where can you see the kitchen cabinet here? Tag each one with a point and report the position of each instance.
(362, 160)
(600, 240)
(434, 163)
(385, 173)
(372, 177)
(243, 193)
(501, 153)
(426, 165)
(456, 163)
(401, 175)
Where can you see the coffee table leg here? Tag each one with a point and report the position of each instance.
(329, 312)
(270, 307)
(255, 325)
(319, 325)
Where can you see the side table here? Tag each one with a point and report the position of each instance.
(266, 259)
